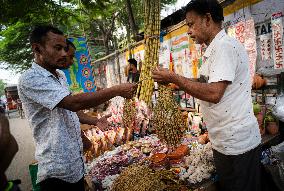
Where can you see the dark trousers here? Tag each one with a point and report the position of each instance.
(239, 172)
(54, 184)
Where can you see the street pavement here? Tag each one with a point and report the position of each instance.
(19, 168)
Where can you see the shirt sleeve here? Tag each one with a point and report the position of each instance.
(223, 68)
(46, 91)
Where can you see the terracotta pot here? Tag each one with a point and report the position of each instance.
(258, 82)
(272, 128)
(260, 118)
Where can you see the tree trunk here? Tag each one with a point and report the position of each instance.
(106, 39)
(132, 23)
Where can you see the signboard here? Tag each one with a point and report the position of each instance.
(79, 75)
(277, 39)
(244, 31)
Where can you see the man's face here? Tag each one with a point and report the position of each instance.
(131, 67)
(197, 28)
(70, 56)
(53, 53)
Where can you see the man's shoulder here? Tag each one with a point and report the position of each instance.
(30, 76)
(230, 42)
(61, 73)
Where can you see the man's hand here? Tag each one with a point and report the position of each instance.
(99, 88)
(162, 75)
(127, 90)
(103, 123)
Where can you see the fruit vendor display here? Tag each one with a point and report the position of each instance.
(116, 135)
(128, 118)
(190, 165)
(152, 25)
(104, 168)
(139, 121)
(167, 118)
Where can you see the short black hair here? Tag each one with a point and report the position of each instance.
(202, 7)
(133, 61)
(40, 32)
(69, 43)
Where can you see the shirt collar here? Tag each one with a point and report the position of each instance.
(212, 45)
(42, 70)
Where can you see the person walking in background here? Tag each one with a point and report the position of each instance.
(133, 73)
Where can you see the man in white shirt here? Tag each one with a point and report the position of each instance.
(225, 91)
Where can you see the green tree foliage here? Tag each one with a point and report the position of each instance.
(97, 19)
(17, 20)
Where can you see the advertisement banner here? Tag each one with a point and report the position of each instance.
(244, 31)
(79, 75)
(265, 46)
(277, 40)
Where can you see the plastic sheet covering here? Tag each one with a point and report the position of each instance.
(277, 173)
(278, 109)
(277, 168)
(278, 151)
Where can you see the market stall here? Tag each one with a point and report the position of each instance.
(137, 149)
(122, 148)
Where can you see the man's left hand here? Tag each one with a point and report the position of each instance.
(162, 75)
(103, 123)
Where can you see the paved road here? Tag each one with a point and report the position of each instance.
(19, 169)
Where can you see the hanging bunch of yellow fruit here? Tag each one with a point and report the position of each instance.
(129, 118)
(152, 21)
(168, 119)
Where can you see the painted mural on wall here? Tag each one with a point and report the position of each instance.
(79, 75)
(185, 55)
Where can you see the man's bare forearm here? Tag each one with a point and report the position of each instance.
(88, 100)
(204, 91)
(193, 79)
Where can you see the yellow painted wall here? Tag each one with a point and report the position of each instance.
(237, 5)
(134, 51)
(176, 32)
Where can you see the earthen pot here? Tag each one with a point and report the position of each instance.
(272, 128)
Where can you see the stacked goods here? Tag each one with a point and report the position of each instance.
(173, 159)
(167, 118)
(142, 178)
(116, 133)
(129, 117)
(109, 166)
(116, 109)
(102, 141)
(177, 155)
(152, 11)
(199, 164)
(203, 139)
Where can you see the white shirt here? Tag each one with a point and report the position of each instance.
(231, 124)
